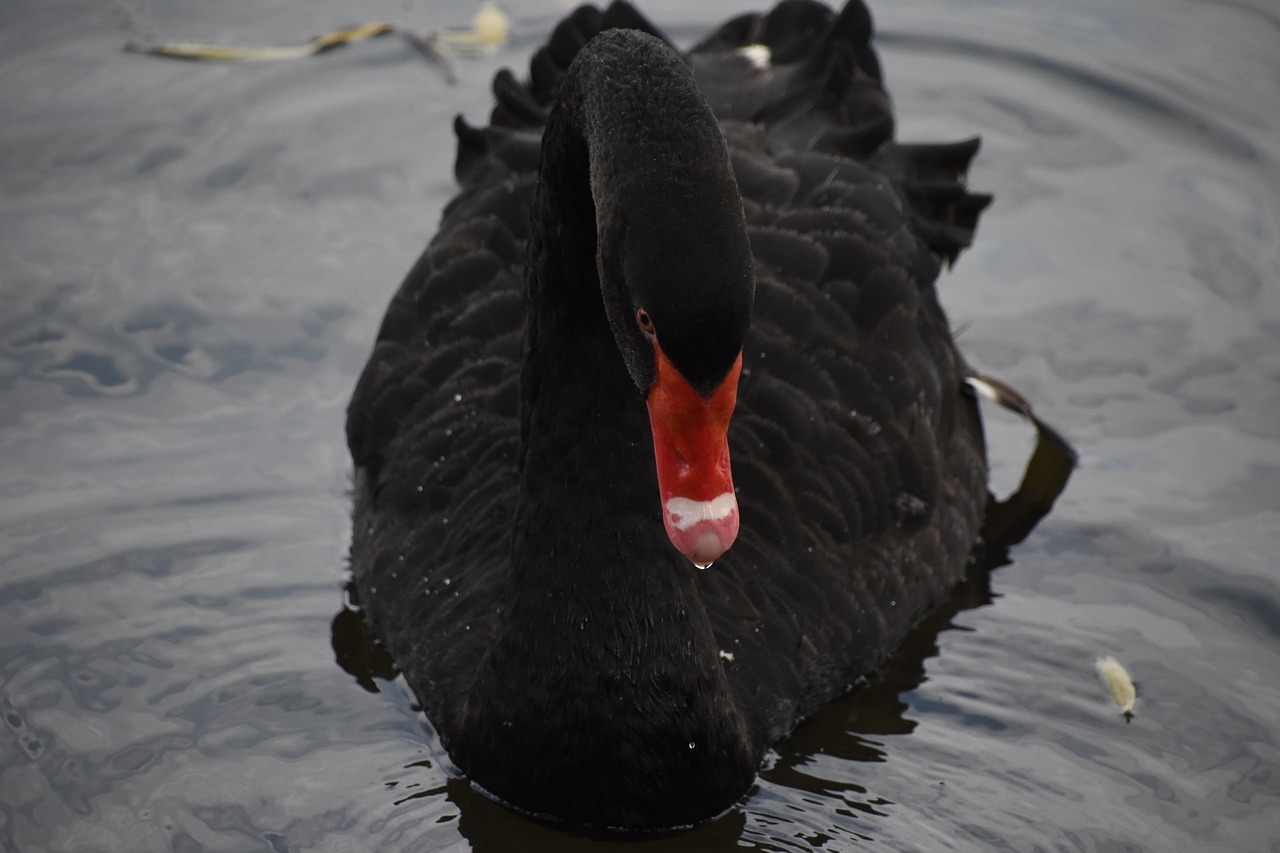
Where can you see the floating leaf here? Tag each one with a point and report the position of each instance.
(229, 53)
(1117, 680)
(489, 30)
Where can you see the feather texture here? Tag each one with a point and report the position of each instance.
(643, 692)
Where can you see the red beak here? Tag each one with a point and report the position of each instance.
(691, 447)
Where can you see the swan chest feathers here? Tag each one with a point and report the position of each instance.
(681, 312)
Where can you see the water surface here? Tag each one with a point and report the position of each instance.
(193, 262)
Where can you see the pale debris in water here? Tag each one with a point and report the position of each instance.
(229, 53)
(726, 656)
(1117, 680)
(489, 30)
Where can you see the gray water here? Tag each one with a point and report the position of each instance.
(193, 262)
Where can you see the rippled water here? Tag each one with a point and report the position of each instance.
(193, 261)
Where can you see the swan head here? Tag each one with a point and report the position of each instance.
(675, 268)
(689, 285)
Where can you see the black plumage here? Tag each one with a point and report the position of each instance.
(508, 544)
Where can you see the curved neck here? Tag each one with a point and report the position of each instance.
(604, 654)
(637, 205)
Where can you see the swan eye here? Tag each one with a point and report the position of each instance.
(644, 321)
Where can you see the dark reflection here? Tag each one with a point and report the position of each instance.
(846, 728)
(414, 791)
(492, 828)
(1010, 521)
(356, 651)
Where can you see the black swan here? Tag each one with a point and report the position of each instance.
(644, 245)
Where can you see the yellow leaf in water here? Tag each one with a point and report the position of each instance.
(491, 24)
(360, 32)
(231, 53)
(221, 53)
(489, 30)
(1117, 680)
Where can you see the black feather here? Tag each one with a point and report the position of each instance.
(508, 542)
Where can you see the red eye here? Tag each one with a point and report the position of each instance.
(644, 321)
